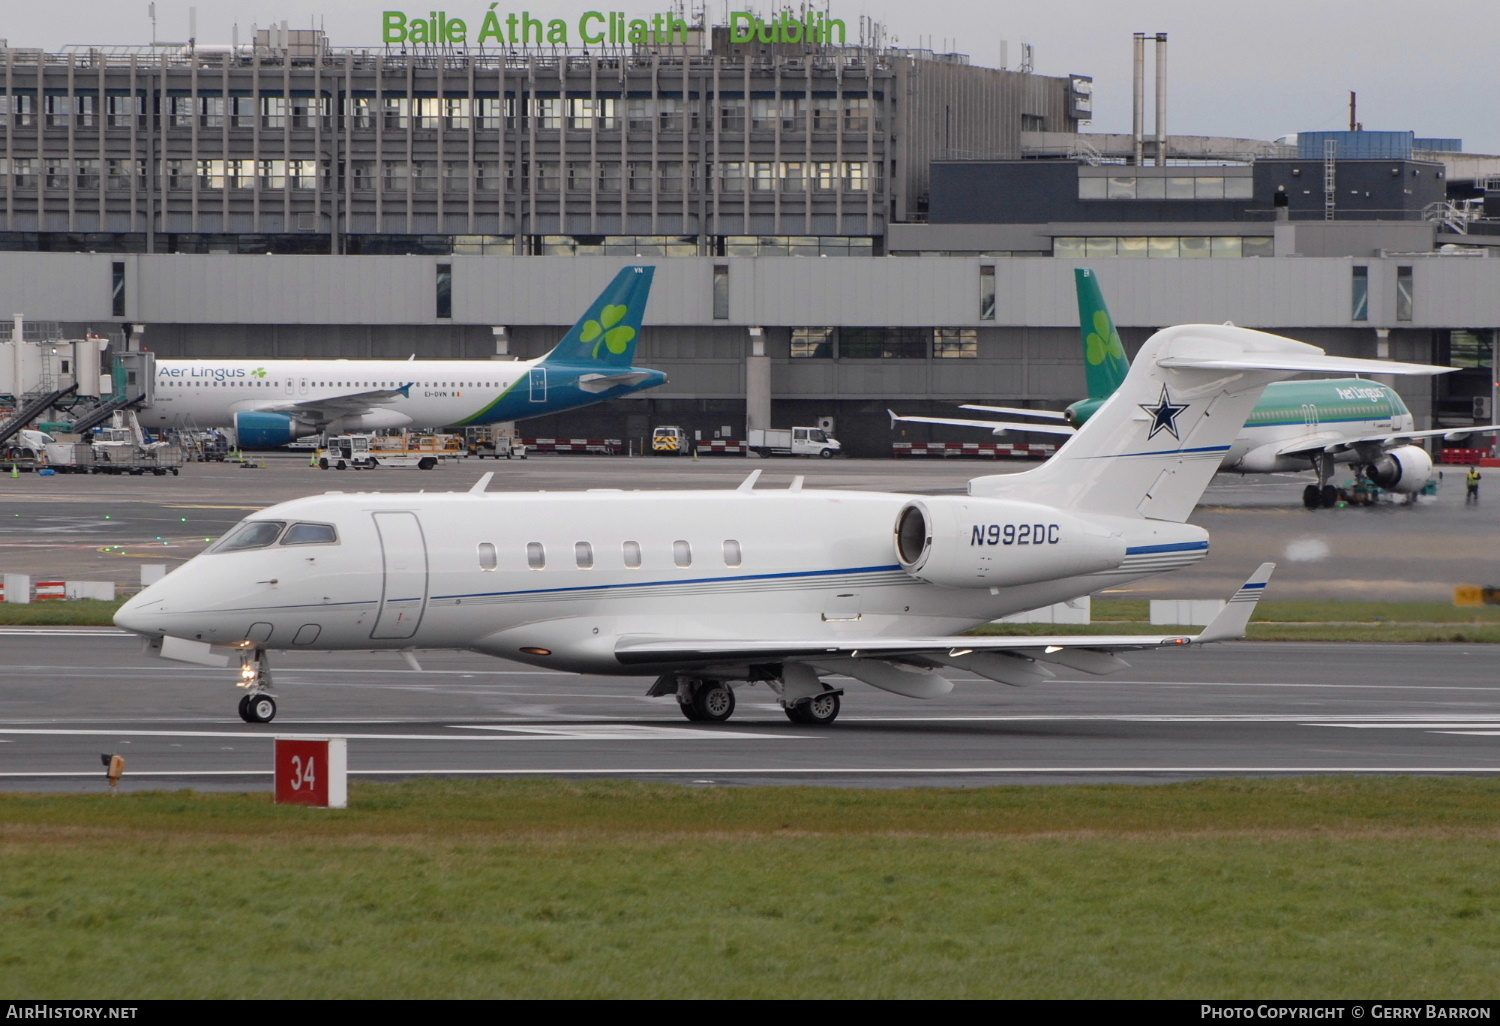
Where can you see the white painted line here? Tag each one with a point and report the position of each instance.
(813, 771)
(628, 732)
(582, 732)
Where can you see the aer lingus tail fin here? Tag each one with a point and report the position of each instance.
(607, 332)
(1104, 359)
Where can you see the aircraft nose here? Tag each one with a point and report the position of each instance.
(136, 615)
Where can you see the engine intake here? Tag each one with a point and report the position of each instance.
(256, 430)
(985, 543)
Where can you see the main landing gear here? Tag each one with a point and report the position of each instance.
(1321, 495)
(259, 706)
(806, 700)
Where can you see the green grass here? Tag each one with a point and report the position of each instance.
(1379, 887)
(77, 613)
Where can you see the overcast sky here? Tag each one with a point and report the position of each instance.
(1252, 68)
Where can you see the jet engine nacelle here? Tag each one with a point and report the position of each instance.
(370, 420)
(964, 542)
(256, 430)
(1405, 470)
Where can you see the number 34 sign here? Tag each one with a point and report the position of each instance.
(312, 771)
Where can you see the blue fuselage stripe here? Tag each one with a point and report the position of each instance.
(693, 580)
(1197, 546)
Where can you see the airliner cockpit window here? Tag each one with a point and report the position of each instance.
(252, 534)
(310, 534)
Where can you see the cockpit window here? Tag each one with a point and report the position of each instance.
(310, 534)
(252, 534)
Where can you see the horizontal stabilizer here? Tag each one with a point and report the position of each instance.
(1303, 362)
(604, 382)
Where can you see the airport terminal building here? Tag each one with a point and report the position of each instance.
(839, 226)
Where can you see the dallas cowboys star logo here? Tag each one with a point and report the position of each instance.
(1164, 415)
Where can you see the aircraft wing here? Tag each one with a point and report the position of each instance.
(332, 407)
(997, 426)
(1332, 441)
(1091, 653)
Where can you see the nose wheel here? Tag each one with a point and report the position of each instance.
(257, 708)
(255, 674)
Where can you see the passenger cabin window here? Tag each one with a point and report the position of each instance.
(632, 553)
(536, 556)
(583, 554)
(732, 555)
(310, 534)
(487, 558)
(682, 553)
(252, 534)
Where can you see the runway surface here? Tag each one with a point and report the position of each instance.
(68, 695)
(102, 528)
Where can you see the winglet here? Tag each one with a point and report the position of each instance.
(894, 418)
(405, 389)
(482, 483)
(748, 485)
(1235, 616)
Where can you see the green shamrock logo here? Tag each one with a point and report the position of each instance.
(258, 372)
(615, 338)
(1103, 341)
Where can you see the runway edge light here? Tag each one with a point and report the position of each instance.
(312, 771)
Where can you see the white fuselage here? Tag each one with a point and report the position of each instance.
(208, 393)
(567, 575)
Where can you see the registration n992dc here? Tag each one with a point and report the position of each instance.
(1015, 534)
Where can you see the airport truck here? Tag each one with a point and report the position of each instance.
(797, 441)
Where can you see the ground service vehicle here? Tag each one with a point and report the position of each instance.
(797, 441)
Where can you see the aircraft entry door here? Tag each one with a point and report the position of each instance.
(538, 378)
(403, 557)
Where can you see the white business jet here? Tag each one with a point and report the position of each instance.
(707, 590)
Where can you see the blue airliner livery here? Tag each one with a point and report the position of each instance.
(272, 402)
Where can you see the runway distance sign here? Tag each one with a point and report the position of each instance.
(312, 771)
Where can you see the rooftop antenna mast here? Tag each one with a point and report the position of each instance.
(151, 12)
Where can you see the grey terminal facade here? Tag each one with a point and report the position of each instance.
(289, 199)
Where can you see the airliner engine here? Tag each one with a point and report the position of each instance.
(962, 542)
(1405, 470)
(256, 430)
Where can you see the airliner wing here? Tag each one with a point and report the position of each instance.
(1333, 441)
(1404, 436)
(1080, 651)
(331, 407)
(1310, 445)
(997, 426)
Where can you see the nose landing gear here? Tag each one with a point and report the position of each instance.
(259, 706)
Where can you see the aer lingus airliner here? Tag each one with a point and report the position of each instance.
(1297, 425)
(273, 402)
(704, 591)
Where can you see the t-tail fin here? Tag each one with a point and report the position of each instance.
(607, 332)
(1104, 359)
(1152, 448)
